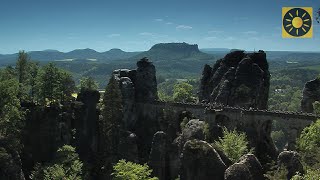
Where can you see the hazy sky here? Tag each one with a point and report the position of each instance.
(135, 25)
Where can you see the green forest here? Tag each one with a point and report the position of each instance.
(29, 84)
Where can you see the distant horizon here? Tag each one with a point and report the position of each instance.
(137, 25)
(205, 48)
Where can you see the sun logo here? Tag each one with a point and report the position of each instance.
(297, 22)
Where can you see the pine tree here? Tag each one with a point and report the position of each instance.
(22, 73)
(110, 126)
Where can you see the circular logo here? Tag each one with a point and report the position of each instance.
(297, 22)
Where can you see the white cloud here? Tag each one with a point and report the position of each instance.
(146, 34)
(113, 35)
(215, 32)
(210, 38)
(254, 38)
(159, 20)
(250, 32)
(230, 38)
(169, 23)
(184, 27)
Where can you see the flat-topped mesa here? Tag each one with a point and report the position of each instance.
(176, 47)
(239, 79)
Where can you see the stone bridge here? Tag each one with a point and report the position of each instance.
(256, 123)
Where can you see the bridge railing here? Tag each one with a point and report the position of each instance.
(214, 106)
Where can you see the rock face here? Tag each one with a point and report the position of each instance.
(125, 79)
(128, 148)
(201, 161)
(311, 93)
(238, 171)
(146, 82)
(253, 166)
(158, 159)
(291, 160)
(139, 86)
(86, 123)
(238, 79)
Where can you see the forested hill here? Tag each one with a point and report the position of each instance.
(77, 54)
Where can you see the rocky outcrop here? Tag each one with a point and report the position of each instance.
(146, 82)
(248, 167)
(125, 79)
(253, 166)
(128, 148)
(158, 156)
(238, 171)
(86, 117)
(201, 161)
(291, 161)
(139, 86)
(238, 79)
(311, 93)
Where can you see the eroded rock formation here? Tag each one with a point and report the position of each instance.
(253, 166)
(291, 161)
(311, 93)
(238, 171)
(201, 161)
(139, 86)
(238, 79)
(158, 155)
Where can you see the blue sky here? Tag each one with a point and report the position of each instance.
(136, 25)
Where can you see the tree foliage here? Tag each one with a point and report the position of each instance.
(131, 171)
(182, 92)
(109, 127)
(66, 165)
(11, 118)
(234, 144)
(22, 71)
(88, 83)
(54, 84)
(308, 144)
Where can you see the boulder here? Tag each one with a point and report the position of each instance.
(200, 160)
(237, 171)
(253, 165)
(192, 130)
(291, 161)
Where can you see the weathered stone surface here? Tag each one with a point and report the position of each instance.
(192, 130)
(138, 86)
(237, 171)
(201, 161)
(146, 82)
(291, 160)
(128, 99)
(128, 147)
(253, 165)
(86, 117)
(311, 93)
(158, 155)
(238, 79)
